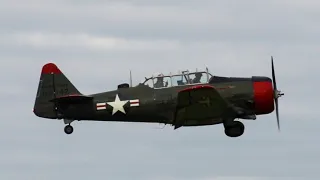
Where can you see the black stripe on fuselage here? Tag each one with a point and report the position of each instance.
(261, 79)
(220, 79)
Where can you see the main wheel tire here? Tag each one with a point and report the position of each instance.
(235, 130)
(68, 129)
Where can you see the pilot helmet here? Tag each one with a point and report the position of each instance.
(160, 76)
(199, 74)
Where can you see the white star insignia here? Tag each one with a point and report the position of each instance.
(118, 105)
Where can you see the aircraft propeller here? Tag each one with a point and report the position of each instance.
(277, 93)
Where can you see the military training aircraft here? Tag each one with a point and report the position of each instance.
(182, 99)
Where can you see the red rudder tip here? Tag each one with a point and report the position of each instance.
(50, 68)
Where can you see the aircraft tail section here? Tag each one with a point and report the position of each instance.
(53, 85)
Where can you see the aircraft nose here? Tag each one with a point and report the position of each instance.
(263, 95)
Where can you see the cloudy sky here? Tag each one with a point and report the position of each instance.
(95, 43)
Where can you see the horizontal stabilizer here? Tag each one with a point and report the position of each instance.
(72, 99)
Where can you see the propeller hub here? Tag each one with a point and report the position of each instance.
(278, 94)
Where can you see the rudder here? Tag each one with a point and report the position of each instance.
(53, 84)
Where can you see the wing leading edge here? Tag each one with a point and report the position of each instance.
(200, 102)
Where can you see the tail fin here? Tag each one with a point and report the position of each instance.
(53, 84)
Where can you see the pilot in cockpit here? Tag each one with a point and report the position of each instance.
(160, 82)
(197, 78)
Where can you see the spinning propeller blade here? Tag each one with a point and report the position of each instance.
(277, 93)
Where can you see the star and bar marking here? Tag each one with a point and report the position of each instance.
(134, 102)
(117, 104)
(101, 106)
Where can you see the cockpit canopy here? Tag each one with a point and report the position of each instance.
(180, 79)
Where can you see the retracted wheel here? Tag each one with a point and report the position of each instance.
(68, 129)
(234, 130)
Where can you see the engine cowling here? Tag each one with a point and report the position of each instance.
(263, 95)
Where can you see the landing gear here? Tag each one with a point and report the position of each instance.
(68, 129)
(234, 129)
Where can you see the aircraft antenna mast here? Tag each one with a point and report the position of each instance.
(130, 79)
(207, 71)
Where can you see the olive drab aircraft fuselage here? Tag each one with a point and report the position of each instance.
(183, 99)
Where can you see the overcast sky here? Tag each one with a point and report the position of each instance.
(95, 43)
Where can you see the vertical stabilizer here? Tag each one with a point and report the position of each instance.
(53, 83)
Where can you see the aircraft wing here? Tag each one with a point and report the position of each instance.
(199, 103)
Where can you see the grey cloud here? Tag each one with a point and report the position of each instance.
(249, 21)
